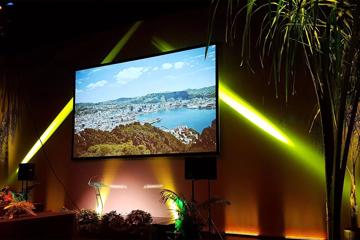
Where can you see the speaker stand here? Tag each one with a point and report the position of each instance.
(24, 189)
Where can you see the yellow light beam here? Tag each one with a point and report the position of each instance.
(162, 45)
(49, 131)
(69, 106)
(45, 136)
(120, 45)
(242, 107)
(110, 172)
(307, 155)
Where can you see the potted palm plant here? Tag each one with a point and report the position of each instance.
(189, 223)
(326, 34)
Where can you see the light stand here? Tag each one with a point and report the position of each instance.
(97, 185)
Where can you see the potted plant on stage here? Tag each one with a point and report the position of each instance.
(113, 224)
(326, 35)
(189, 223)
(88, 222)
(138, 224)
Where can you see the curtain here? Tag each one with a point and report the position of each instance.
(9, 114)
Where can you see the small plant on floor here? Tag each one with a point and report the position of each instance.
(112, 222)
(139, 218)
(87, 221)
(138, 224)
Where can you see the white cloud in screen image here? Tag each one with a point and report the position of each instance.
(179, 65)
(167, 66)
(131, 73)
(97, 84)
(164, 73)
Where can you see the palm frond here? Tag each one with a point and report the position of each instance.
(167, 194)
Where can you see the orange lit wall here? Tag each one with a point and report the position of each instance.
(270, 192)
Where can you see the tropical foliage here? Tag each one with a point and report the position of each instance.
(189, 223)
(326, 34)
(354, 157)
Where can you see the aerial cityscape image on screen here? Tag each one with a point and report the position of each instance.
(165, 104)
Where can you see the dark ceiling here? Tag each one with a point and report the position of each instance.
(32, 23)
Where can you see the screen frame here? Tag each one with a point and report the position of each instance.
(142, 156)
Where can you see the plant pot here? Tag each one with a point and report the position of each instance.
(351, 234)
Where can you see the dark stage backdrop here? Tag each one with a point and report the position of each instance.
(272, 192)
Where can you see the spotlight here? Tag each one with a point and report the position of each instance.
(117, 186)
(9, 4)
(153, 186)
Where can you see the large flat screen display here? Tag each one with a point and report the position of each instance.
(159, 105)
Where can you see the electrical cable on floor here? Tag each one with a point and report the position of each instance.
(50, 163)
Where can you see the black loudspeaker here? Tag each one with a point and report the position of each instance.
(197, 168)
(26, 172)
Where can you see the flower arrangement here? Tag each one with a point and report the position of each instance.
(13, 204)
(6, 197)
(16, 209)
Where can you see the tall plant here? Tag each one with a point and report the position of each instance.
(354, 157)
(327, 34)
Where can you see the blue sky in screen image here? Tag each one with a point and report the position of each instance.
(166, 73)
